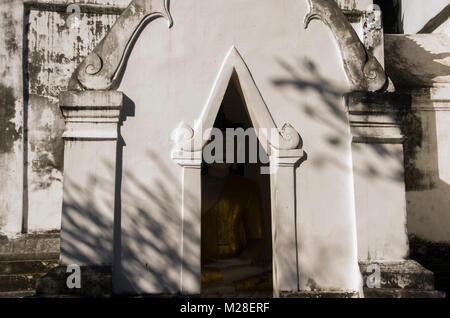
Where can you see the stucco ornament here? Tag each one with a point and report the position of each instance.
(290, 138)
(363, 69)
(182, 135)
(102, 68)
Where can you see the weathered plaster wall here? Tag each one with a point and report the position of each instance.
(420, 64)
(417, 14)
(11, 117)
(53, 51)
(31, 197)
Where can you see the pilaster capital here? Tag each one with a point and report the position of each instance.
(286, 158)
(91, 115)
(377, 117)
(188, 159)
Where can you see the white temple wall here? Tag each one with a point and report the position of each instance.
(302, 81)
(300, 75)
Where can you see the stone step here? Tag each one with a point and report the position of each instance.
(26, 266)
(19, 282)
(319, 294)
(400, 275)
(18, 294)
(96, 281)
(30, 247)
(401, 293)
(30, 257)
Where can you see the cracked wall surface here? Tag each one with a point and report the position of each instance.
(39, 51)
(54, 49)
(11, 117)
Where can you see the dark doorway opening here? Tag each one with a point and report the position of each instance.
(236, 213)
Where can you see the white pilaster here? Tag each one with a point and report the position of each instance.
(284, 220)
(90, 149)
(190, 279)
(378, 171)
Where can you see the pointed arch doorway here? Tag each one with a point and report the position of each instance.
(282, 147)
(236, 236)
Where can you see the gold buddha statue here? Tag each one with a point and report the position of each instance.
(232, 230)
(234, 222)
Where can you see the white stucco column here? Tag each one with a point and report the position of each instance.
(429, 165)
(190, 278)
(90, 150)
(378, 171)
(284, 220)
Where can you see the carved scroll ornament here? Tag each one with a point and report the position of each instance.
(101, 69)
(363, 69)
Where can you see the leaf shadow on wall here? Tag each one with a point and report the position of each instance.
(334, 118)
(328, 151)
(153, 222)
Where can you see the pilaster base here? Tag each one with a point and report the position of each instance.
(398, 279)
